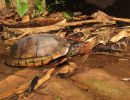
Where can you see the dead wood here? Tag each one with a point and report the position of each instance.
(32, 23)
(121, 19)
(121, 35)
(106, 18)
(54, 27)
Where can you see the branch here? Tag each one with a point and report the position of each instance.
(53, 27)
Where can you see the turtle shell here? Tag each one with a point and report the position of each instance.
(38, 49)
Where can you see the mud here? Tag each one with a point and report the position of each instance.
(5, 70)
(99, 78)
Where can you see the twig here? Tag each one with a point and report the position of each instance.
(51, 27)
(121, 19)
(120, 35)
(40, 21)
(44, 78)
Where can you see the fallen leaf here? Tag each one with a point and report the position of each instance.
(26, 18)
(120, 35)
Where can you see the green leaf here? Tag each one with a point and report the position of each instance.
(22, 7)
(41, 5)
(68, 15)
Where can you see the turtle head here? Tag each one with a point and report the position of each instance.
(82, 47)
(74, 49)
(87, 47)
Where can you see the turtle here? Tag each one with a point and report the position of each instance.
(42, 50)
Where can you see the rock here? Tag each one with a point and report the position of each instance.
(103, 83)
(64, 89)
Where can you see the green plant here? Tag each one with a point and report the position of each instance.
(40, 5)
(22, 7)
(68, 15)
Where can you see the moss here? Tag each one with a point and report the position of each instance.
(58, 98)
(106, 88)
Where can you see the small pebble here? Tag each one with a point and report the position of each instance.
(123, 59)
(125, 79)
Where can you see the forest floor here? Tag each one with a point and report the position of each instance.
(99, 78)
(103, 76)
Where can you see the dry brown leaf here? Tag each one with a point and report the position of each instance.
(106, 18)
(26, 18)
(3, 8)
(120, 35)
(103, 17)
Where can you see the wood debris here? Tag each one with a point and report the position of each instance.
(26, 22)
(120, 35)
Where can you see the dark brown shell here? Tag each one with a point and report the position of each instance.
(38, 49)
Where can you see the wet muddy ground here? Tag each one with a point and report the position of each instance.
(99, 78)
